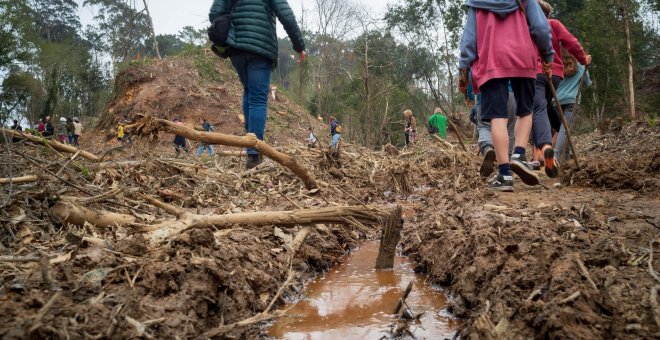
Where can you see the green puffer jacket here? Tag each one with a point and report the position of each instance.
(253, 25)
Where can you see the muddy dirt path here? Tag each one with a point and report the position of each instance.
(354, 300)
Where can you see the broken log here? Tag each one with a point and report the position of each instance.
(389, 240)
(70, 213)
(151, 125)
(19, 180)
(53, 144)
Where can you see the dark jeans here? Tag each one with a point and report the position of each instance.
(254, 72)
(75, 140)
(541, 129)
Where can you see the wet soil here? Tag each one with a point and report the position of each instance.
(353, 300)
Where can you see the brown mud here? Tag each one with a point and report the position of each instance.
(354, 300)
(575, 261)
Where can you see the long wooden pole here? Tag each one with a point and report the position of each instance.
(563, 121)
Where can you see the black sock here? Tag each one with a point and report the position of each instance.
(505, 169)
(519, 150)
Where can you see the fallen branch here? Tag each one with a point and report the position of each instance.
(650, 262)
(403, 298)
(19, 180)
(572, 297)
(115, 165)
(53, 144)
(70, 213)
(43, 311)
(150, 126)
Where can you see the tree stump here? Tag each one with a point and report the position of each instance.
(390, 239)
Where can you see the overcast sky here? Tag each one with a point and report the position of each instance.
(171, 15)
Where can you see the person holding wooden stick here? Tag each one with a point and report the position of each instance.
(541, 128)
(499, 44)
(569, 97)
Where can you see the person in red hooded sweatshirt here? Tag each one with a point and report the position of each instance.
(501, 42)
(542, 127)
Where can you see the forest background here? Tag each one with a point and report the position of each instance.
(362, 68)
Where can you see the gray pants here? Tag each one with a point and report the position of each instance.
(541, 129)
(485, 137)
(561, 139)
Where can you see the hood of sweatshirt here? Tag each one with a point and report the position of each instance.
(500, 7)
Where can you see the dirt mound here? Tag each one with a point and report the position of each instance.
(627, 159)
(194, 86)
(567, 262)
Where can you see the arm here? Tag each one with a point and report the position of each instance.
(469, 40)
(218, 8)
(285, 16)
(539, 29)
(570, 42)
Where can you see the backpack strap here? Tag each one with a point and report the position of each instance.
(522, 8)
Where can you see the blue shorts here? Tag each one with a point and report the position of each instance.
(495, 95)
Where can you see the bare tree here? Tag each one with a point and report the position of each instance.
(153, 31)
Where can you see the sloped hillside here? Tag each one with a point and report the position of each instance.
(193, 86)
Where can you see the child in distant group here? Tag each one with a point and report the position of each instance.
(120, 132)
(409, 127)
(180, 142)
(567, 93)
(206, 126)
(311, 139)
(500, 43)
(437, 123)
(77, 131)
(62, 131)
(335, 132)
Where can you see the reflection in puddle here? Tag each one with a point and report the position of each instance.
(353, 300)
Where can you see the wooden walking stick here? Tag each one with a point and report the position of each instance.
(563, 121)
(575, 110)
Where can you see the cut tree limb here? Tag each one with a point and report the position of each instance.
(53, 144)
(19, 180)
(77, 215)
(150, 126)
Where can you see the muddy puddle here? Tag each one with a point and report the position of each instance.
(353, 300)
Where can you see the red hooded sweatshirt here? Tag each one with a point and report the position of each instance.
(560, 34)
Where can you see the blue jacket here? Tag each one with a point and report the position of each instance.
(567, 90)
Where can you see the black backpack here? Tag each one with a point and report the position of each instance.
(219, 30)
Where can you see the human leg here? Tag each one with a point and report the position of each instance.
(485, 141)
(511, 125)
(258, 85)
(494, 96)
(200, 149)
(568, 109)
(523, 89)
(210, 150)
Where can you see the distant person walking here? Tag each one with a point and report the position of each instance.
(70, 128)
(62, 131)
(252, 46)
(16, 127)
(180, 142)
(567, 93)
(437, 123)
(311, 139)
(120, 132)
(77, 131)
(206, 126)
(409, 127)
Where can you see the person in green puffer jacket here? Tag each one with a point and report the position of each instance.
(252, 48)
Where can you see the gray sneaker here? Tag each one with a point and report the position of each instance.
(488, 163)
(520, 168)
(501, 183)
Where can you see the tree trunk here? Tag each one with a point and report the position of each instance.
(153, 31)
(389, 240)
(53, 144)
(367, 94)
(631, 87)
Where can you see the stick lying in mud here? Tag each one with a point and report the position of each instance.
(357, 216)
(151, 125)
(53, 144)
(403, 298)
